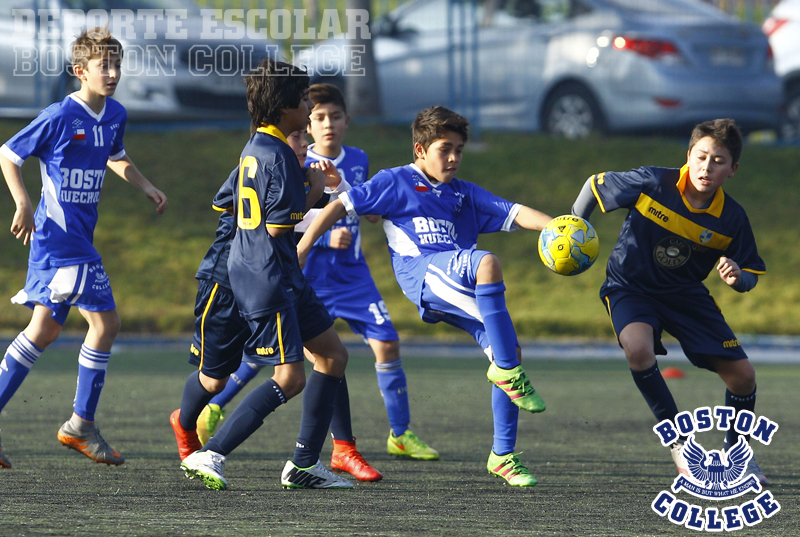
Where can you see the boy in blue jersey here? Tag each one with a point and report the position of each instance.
(280, 309)
(680, 226)
(432, 221)
(75, 140)
(339, 274)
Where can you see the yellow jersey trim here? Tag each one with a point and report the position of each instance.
(279, 225)
(203, 324)
(715, 209)
(680, 225)
(280, 339)
(272, 130)
(754, 271)
(600, 179)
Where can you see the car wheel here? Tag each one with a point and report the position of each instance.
(790, 124)
(571, 111)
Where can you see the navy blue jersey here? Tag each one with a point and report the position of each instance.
(268, 193)
(214, 265)
(665, 244)
(421, 218)
(73, 145)
(334, 267)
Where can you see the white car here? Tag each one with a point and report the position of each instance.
(783, 30)
(178, 63)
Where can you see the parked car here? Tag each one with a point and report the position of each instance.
(171, 69)
(783, 30)
(569, 67)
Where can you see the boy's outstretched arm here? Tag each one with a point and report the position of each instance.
(585, 202)
(531, 219)
(332, 213)
(126, 169)
(22, 226)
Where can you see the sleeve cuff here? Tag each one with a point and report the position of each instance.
(509, 224)
(348, 204)
(118, 156)
(10, 155)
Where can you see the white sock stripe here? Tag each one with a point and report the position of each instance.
(91, 353)
(389, 366)
(93, 359)
(23, 351)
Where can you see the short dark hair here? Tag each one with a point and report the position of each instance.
(327, 94)
(724, 131)
(271, 86)
(432, 123)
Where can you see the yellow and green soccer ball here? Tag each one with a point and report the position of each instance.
(568, 245)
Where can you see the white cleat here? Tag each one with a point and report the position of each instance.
(315, 477)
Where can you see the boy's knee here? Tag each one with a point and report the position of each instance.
(212, 385)
(290, 385)
(489, 270)
(639, 357)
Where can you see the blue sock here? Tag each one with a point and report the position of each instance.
(247, 418)
(491, 301)
(655, 392)
(394, 390)
(738, 402)
(92, 367)
(19, 358)
(341, 423)
(195, 398)
(318, 398)
(236, 382)
(505, 416)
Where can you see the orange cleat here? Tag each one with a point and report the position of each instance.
(188, 442)
(346, 458)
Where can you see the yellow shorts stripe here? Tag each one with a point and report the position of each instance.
(280, 339)
(203, 324)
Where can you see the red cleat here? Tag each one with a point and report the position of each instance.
(346, 458)
(188, 442)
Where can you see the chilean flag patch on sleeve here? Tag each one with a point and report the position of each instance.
(419, 186)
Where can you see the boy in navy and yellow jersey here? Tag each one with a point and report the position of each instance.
(680, 226)
(280, 309)
(75, 141)
(432, 222)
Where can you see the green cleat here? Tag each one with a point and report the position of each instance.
(509, 468)
(207, 422)
(409, 445)
(207, 466)
(517, 386)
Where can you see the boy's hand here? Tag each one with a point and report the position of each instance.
(157, 197)
(332, 177)
(22, 226)
(729, 271)
(341, 238)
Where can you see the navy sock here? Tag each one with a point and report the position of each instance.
(656, 393)
(247, 417)
(738, 402)
(491, 300)
(236, 382)
(341, 423)
(194, 399)
(394, 389)
(318, 398)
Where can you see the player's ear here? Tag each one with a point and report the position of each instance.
(78, 70)
(733, 170)
(419, 151)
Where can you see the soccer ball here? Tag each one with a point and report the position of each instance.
(568, 245)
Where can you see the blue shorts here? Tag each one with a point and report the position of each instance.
(220, 331)
(693, 318)
(278, 338)
(448, 294)
(59, 288)
(362, 308)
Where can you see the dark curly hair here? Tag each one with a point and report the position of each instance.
(271, 86)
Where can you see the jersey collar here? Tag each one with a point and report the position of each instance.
(96, 117)
(336, 161)
(715, 209)
(422, 174)
(272, 130)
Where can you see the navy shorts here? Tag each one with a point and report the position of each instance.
(278, 338)
(693, 318)
(362, 308)
(220, 331)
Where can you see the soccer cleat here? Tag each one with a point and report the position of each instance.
(207, 422)
(188, 442)
(680, 461)
(753, 468)
(511, 469)
(315, 477)
(409, 445)
(4, 462)
(207, 465)
(517, 386)
(345, 457)
(90, 444)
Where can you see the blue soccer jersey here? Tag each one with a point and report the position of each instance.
(333, 267)
(666, 245)
(422, 218)
(268, 193)
(73, 145)
(214, 265)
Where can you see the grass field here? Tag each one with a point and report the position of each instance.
(598, 463)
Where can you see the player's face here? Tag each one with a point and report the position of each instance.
(101, 75)
(442, 158)
(327, 125)
(710, 165)
(299, 144)
(297, 118)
